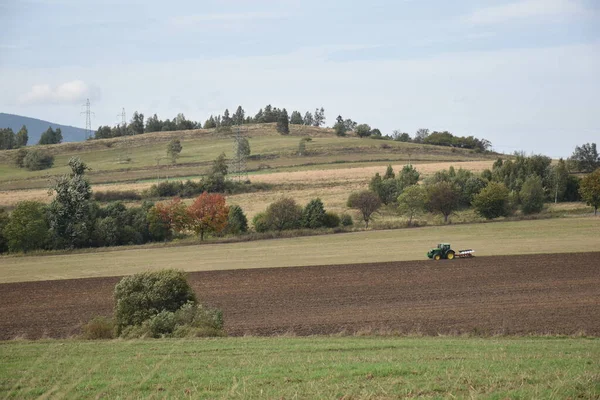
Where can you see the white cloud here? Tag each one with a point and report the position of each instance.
(68, 92)
(526, 9)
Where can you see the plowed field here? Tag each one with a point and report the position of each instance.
(540, 294)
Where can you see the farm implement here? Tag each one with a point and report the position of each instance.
(444, 251)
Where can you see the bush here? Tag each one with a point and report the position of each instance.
(284, 214)
(346, 220)
(331, 220)
(141, 296)
(20, 157)
(99, 328)
(260, 222)
(36, 160)
(106, 232)
(115, 195)
(493, 201)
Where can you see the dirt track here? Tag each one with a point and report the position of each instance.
(557, 293)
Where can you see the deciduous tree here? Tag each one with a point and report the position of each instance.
(27, 228)
(442, 198)
(590, 190)
(174, 149)
(412, 202)
(532, 195)
(586, 158)
(366, 202)
(208, 213)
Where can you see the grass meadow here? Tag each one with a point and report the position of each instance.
(304, 368)
(558, 235)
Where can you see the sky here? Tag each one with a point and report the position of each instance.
(524, 74)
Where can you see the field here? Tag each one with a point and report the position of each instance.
(305, 368)
(498, 238)
(533, 294)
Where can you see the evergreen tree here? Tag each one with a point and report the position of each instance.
(22, 137)
(210, 123)
(296, 118)
(153, 124)
(238, 117)
(7, 139)
(283, 123)
(226, 120)
(51, 136)
(313, 215)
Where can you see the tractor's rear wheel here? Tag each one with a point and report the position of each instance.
(450, 255)
(437, 257)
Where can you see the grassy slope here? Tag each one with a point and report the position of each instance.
(523, 237)
(350, 367)
(270, 149)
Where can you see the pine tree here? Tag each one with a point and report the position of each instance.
(283, 123)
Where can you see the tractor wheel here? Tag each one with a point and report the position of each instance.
(450, 255)
(437, 257)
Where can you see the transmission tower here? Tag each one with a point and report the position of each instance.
(123, 118)
(238, 162)
(88, 119)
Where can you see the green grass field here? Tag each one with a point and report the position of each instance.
(559, 235)
(304, 368)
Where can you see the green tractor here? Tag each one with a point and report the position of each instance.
(442, 251)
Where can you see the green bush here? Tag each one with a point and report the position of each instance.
(141, 296)
(260, 222)
(284, 214)
(36, 160)
(493, 201)
(331, 220)
(115, 195)
(346, 220)
(99, 328)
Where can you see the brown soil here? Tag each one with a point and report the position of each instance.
(534, 294)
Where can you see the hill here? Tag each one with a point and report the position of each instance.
(36, 127)
(134, 158)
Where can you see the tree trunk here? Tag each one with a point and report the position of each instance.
(446, 218)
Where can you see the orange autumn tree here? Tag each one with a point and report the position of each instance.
(173, 214)
(208, 213)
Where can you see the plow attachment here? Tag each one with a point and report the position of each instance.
(465, 253)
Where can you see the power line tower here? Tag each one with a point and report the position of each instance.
(123, 118)
(88, 119)
(241, 150)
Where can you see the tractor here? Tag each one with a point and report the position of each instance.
(444, 251)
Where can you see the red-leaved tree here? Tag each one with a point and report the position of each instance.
(208, 213)
(174, 214)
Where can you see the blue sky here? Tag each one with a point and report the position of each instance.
(521, 73)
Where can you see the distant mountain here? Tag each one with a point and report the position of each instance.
(35, 128)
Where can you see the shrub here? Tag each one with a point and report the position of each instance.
(99, 328)
(346, 220)
(260, 222)
(331, 220)
(493, 201)
(284, 214)
(195, 320)
(141, 296)
(20, 157)
(36, 160)
(313, 215)
(116, 195)
(4, 219)
(532, 195)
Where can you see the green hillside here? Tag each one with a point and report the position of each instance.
(144, 157)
